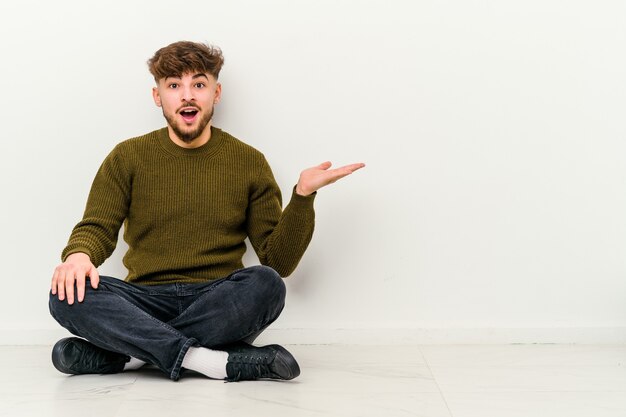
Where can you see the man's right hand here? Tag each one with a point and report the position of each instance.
(72, 273)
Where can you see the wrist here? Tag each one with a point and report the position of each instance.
(77, 255)
(302, 192)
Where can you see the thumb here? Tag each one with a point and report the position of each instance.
(324, 165)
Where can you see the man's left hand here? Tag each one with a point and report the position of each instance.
(314, 178)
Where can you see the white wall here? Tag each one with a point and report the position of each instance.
(495, 191)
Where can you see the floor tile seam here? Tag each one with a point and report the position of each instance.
(441, 394)
(512, 391)
(546, 367)
(526, 350)
(523, 345)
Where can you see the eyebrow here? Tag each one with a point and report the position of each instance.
(198, 75)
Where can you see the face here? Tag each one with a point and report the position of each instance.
(188, 102)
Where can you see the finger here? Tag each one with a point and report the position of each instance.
(61, 285)
(337, 174)
(324, 165)
(80, 286)
(94, 277)
(53, 286)
(353, 167)
(344, 171)
(70, 278)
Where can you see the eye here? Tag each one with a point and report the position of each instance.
(200, 85)
(173, 85)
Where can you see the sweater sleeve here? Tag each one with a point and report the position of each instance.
(107, 207)
(279, 237)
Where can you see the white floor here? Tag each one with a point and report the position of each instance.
(340, 380)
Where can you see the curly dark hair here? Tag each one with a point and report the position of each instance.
(184, 57)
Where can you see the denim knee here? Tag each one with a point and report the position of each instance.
(270, 285)
(67, 315)
(59, 310)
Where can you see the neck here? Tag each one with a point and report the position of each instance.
(204, 137)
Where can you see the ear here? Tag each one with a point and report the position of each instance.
(156, 96)
(218, 93)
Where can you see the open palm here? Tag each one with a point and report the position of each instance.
(314, 178)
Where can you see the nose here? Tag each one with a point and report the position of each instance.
(186, 93)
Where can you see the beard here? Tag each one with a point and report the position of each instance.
(189, 136)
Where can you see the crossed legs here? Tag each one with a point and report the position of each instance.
(158, 324)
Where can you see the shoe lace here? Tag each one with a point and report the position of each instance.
(97, 358)
(251, 367)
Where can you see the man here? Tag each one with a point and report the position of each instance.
(188, 195)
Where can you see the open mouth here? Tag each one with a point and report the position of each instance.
(188, 115)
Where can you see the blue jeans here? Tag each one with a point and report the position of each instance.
(157, 324)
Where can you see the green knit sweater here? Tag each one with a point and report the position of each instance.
(187, 212)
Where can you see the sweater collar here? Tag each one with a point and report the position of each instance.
(208, 148)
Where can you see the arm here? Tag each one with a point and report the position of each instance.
(279, 237)
(94, 238)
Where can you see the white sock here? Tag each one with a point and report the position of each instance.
(133, 364)
(211, 363)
